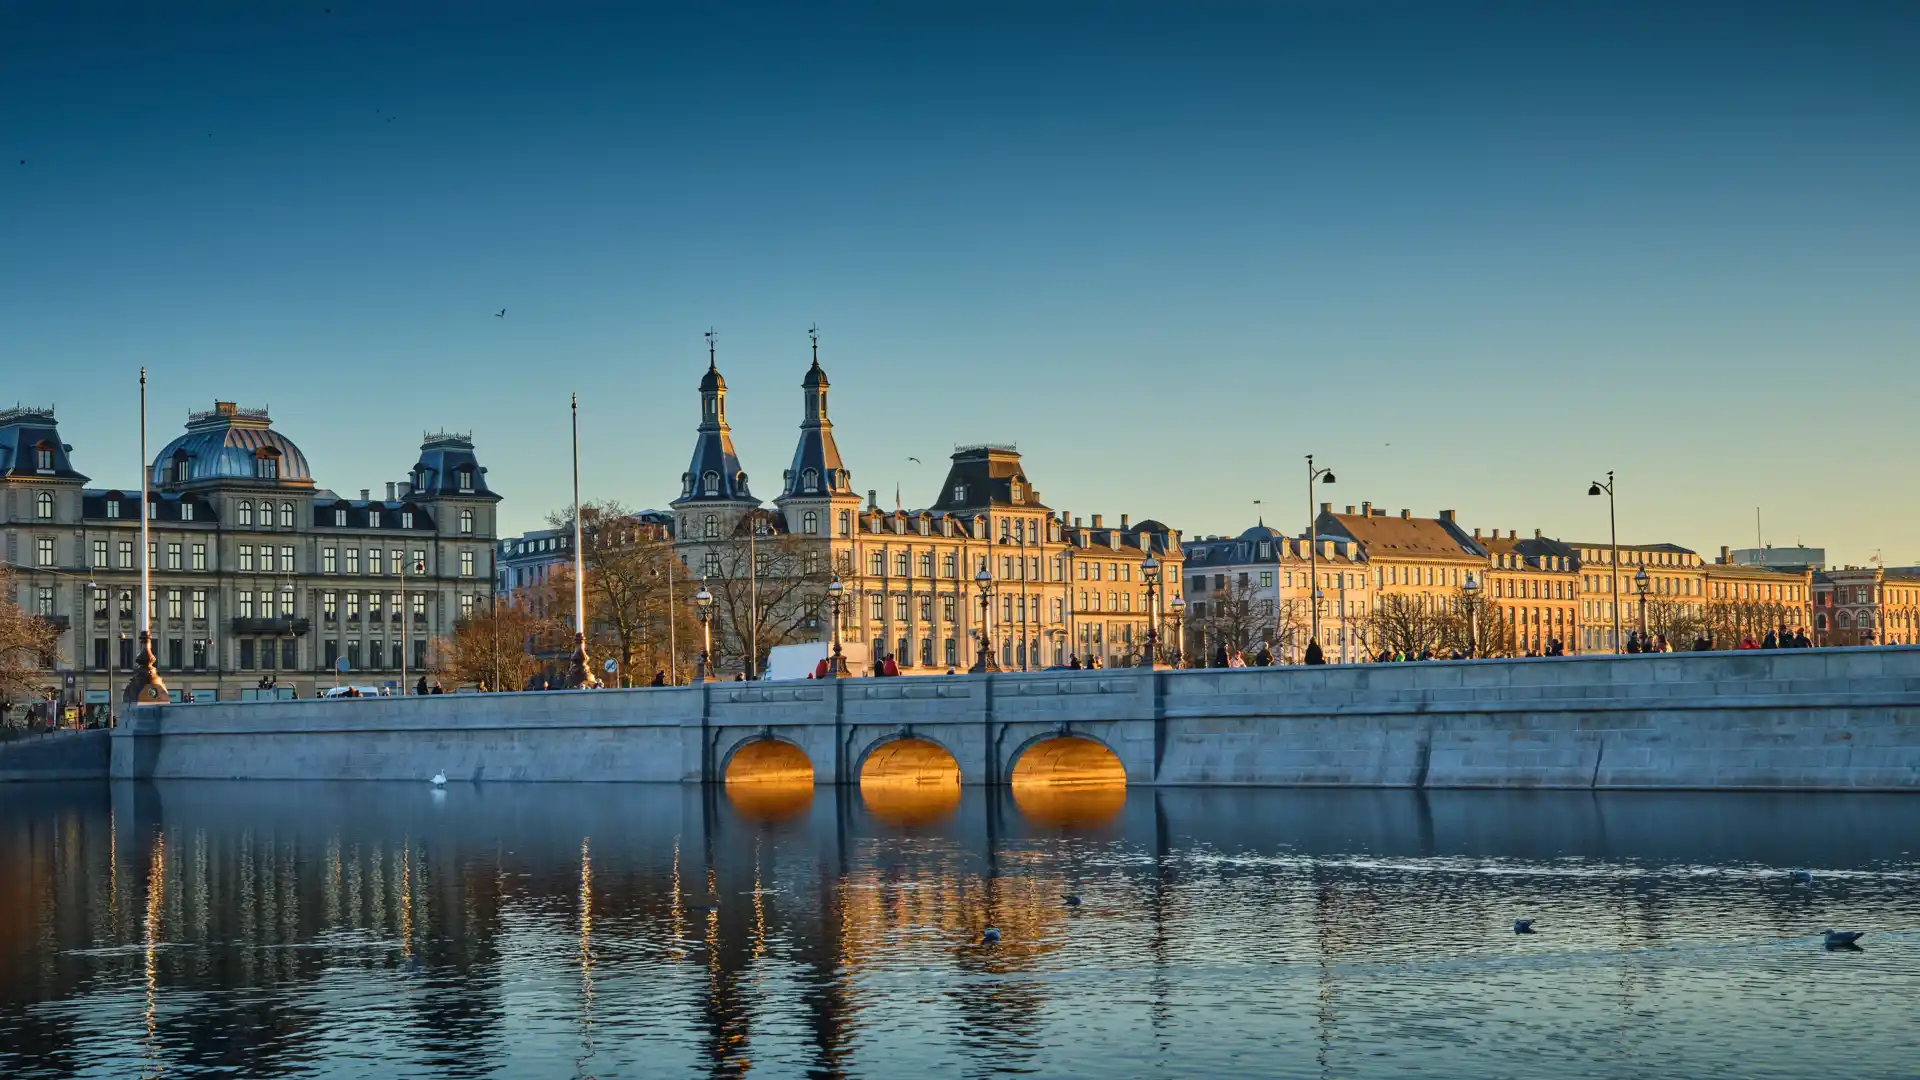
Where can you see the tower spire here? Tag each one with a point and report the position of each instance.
(813, 335)
(710, 339)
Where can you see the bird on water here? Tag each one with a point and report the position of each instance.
(1802, 877)
(989, 936)
(439, 779)
(1523, 926)
(1073, 900)
(1840, 939)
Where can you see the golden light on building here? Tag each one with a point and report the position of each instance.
(910, 781)
(1069, 781)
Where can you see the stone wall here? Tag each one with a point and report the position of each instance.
(59, 755)
(1835, 719)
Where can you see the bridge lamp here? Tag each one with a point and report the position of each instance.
(703, 608)
(1640, 586)
(1472, 589)
(1150, 573)
(836, 666)
(1179, 608)
(985, 661)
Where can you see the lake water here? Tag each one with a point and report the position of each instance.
(334, 930)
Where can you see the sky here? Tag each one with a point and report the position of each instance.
(1470, 256)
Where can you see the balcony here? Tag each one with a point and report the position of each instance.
(271, 626)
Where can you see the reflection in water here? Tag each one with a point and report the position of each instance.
(624, 930)
(769, 761)
(1071, 803)
(910, 782)
(910, 804)
(1068, 760)
(770, 800)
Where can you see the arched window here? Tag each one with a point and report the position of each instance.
(810, 522)
(43, 506)
(1846, 620)
(809, 480)
(466, 522)
(686, 484)
(182, 470)
(286, 515)
(245, 517)
(711, 483)
(711, 528)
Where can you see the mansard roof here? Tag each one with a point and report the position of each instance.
(447, 467)
(985, 476)
(816, 456)
(25, 432)
(714, 474)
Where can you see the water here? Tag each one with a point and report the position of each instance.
(329, 930)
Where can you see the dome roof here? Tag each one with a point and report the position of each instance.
(815, 376)
(230, 443)
(712, 381)
(1261, 532)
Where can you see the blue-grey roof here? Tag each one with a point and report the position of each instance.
(24, 432)
(816, 456)
(448, 467)
(226, 443)
(713, 454)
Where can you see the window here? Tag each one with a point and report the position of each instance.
(353, 560)
(329, 560)
(466, 564)
(286, 560)
(878, 604)
(946, 609)
(173, 555)
(43, 506)
(126, 604)
(246, 558)
(900, 607)
(406, 521)
(286, 601)
(153, 511)
(959, 493)
(267, 604)
(1266, 579)
(340, 519)
(1006, 530)
(200, 604)
(1017, 489)
(466, 479)
(846, 522)
(466, 605)
(43, 602)
(466, 523)
(243, 603)
(373, 519)
(877, 563)
(900, 564)
(244, 516)
(710, 565)
(99, 554)
(710, 483)
(710, 528)
(373, 560)
(43, 551)
(810, 522)
(950, 565)
(113, 508)
(174, 605)
(953, 655)
(246, 654)
(809, 480)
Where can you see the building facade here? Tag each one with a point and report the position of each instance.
(1533, 584)
(911, 580)
(1260, 588)
(257, 571)
(1866, 605)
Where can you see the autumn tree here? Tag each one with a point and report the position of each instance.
(496, 647)
(27, 646)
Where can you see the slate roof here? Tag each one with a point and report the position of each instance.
(24, 431)
(225, 443)
(1409, 537)
(984, 477)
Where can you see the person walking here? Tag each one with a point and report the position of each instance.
(1770, 641)
(1701, 644)
(1800, 640)
(420, 688)
(1263, 658)
(1314, 653)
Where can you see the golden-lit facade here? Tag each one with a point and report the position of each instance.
(1533, 585)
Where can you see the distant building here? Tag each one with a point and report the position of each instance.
(1257, 589)
(1866, 605)
(1533, 584)
(1782, 557)
(531, 559)
(257, 571)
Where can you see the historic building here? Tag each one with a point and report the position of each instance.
(257, 571)
(1533, 584)
(911, 581)
(1865, 605)
(1258, 588)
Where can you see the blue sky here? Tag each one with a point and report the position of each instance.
(1471, 256)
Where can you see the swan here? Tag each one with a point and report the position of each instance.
(440, 779)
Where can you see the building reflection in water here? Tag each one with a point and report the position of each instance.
(649, 930)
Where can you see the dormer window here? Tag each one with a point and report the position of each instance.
(373, 519)
(43, 457)
(266, 464)
(1017, 489)
(711, 483)
(406, 519)
(946, 526)
(113, 506)
(465, 477)
(809, 480)
(340, 519)
(959, 493)
(186, 510)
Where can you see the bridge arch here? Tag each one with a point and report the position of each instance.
(1067, 759)
(909, 780)
(767, 760)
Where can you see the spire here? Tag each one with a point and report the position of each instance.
(817, 468)
(715, 472)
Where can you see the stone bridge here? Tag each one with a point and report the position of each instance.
(1833, 719)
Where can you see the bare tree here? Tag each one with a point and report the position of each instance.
(634, 615)
(1676, 621)
(1232, 619)
(1414, 625)
(1728, 621)
(495, 647)
(762, 569)
(27, 646)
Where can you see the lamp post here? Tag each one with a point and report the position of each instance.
(1313, 540)
(703, 608)
(836, 664)
(1471, 602)
(1179, 608)
(1613, 567)
(1640, 586)
(984, 663)
(1150, 573)
(145, 688)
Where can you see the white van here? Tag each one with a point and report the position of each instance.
(801, 661)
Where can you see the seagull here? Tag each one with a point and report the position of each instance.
(501, 314)
(1523, 926)
(1802, 877)
(1840, 939)
(439, 779)
(990, 936)
(910, 457)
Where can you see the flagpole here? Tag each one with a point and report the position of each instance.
(145, 687)
(580, 674)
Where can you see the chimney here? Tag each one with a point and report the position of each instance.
(365, 495)
(1326, 508)
(1349, 510)
(1446, 516)
(1123, 521)
(1406, 514)
(1726, 556)
(389, 491)
(1513, 534)
(1076, 521)
(1096, 521)
(873, 499)
(1536, 534)
(1476, 532)
(1366, 509)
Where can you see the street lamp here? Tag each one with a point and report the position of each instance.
(836, 664)
(1640, 586)
(1179, 608)
(703, 608)
(1313, 540)
(1613, 531)
(1150, 573)
(984, 663)
(1472, 589)
(580, 674)
(1319, 598)
(145, 687)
